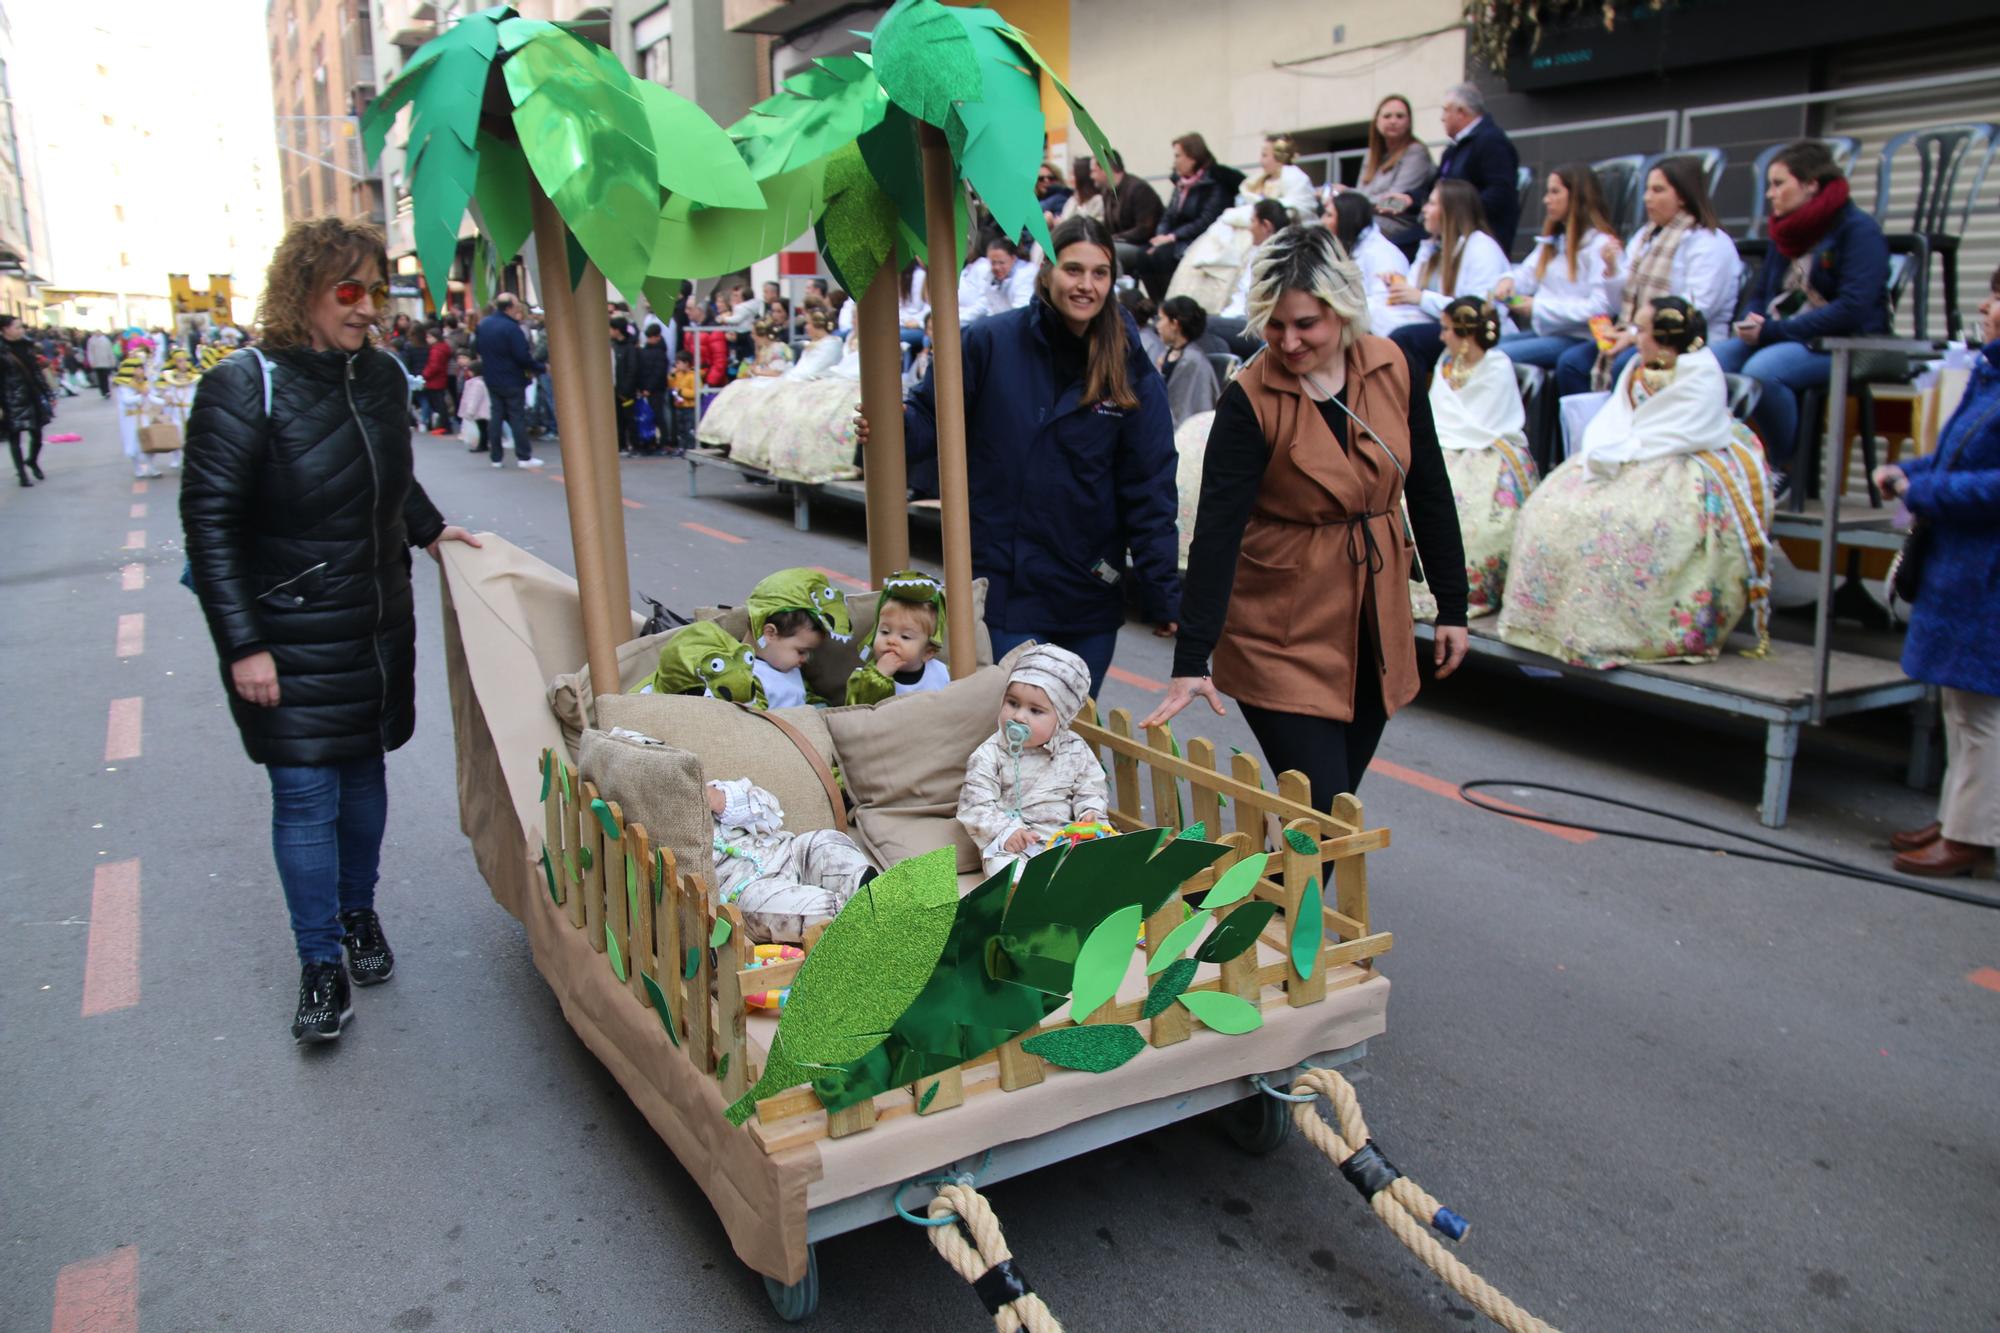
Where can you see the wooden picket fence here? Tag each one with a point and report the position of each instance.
(624, 894)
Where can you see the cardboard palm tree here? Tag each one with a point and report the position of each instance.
(539, 131)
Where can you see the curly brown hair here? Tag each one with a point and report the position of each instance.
(313, 255)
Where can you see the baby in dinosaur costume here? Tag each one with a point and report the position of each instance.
(902, 658)
(704, 659)
(793, 612)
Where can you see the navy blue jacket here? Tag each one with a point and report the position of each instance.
(505, 360)
(1954, 634)
(1850, 268)
(1057, 486)
(1486, 160)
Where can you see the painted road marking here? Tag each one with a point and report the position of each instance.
(629, 502)
(111, 960)
(132, 634)
(99, 1295)
(859, 585)
(1988, 977)
(135, 540)
(716, 533)
(138, 509)
(122, 738)
(132, 577)
(139, 487)
(1439, 787)
(1123, 676)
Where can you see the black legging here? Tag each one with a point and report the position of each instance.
(1332, 755)
(33, 459)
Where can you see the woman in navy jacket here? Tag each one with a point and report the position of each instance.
(1827, 276)
(1070, 457)
(1954, 638)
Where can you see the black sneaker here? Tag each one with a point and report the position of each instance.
(324, 1003)
(368, 954)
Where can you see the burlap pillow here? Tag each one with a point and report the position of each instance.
(732, 743)
(570, 696)
(657, 786)
(904, 763)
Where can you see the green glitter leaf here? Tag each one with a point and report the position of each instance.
(616, 954)
(1095, 1049)
(925, 60)
(1197, 831)
(720, 935)
(1168, 988)
(692, 965)
(602, 810)
(930, 1095)
(857, 230)
(722, 1067)
(1177, 941)
(1237, 882)
(1101, 963)
(549, 870)
(1308, 930)
(1236, 932)
(1301, 842)
(661, 1006)
(1225, 1013)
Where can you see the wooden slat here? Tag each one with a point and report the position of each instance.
(1198, 765)
(573, 843)
(1018, 1069)
(1166, 787)
(1300, 868)
(1204, 796)
(839, 1124)
(552, 827)
(639, 941)
(1172, 1025)
(1239, 974)
(732, 1025)
(950, 1092)
(617, 903)
(593, 879)
(667, 939)
(1350, 874)
(1125, 770)
(1250, 808)
(695, 927)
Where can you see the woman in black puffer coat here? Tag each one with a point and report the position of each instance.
(299, 509)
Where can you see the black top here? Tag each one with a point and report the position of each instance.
(1069, 354)
(1233, 470)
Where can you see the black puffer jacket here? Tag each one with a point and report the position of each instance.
(22, 388)
(299, 529)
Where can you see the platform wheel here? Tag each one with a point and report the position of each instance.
(1258, 1125)
(796, 1301)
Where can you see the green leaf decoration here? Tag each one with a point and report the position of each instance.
(502, 195)
(692, 964)
(925, 60)
(659, 875)
(690, 242)
(1100, 143)
(586, 134)
(1177, 941)
(857, 230)
(930, 1095)
(660, 1006)
(482, 269)
(1301, 842)
(1168, 988)
(1197, 830)
(548, 772)
(1236, 932)
(549, 872)
(1226, 1013)
(517, 32)
(613, 952)
(871, 962)
(722, 1067)
(585, 859)
(1308, 930)
(569, 867)
(632, 891)
(830, 103)
(602, 810)
(1096, 1049)
(720, 935)
(1237, 882)
(1102, 962)
(695, 157)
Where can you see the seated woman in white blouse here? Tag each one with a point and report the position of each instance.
(1459, 257)
(1351, 219)
(1553, 294)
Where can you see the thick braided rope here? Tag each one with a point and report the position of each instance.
(1404, 1207)
(987, 1249)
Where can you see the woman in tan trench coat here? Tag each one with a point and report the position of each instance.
(1298, 577)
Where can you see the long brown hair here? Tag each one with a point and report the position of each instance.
(1459, 215)
(313, 255)
(1106, 379)
(1586, 214)
(1196, 147)
(1684, 177)
(1379, 158)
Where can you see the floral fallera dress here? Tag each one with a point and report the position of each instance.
(1490, 486)
(1655, 564)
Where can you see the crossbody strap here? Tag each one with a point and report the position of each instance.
(813, 757)
(265, 366)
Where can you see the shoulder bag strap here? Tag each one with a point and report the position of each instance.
(813, 757)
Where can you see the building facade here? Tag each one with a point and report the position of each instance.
(322, 55)
(23, 229)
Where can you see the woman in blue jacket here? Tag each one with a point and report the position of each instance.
(1827, 276)
(1070, 459)
(1954, 638)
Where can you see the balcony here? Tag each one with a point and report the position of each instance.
(778, 18)
(361, 73)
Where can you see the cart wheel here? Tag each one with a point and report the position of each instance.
(800, 1299)
(1259, 1124)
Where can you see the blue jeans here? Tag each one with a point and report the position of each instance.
(1533, 349)
(510, 406)
(1573, 366)
(1784, 371)
(1094, 649)
(543, 415)
(326, 835)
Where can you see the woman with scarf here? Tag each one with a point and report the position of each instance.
(1480, 426)
(1680, 250)
(1649, 544)
(1827, 276)
(1211, 267)
(1203, 187)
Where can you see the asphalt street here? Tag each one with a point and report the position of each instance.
(1670, 1090)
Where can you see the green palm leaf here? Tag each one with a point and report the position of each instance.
(857, 229)
(696, 158)
(691, 242)
(1100, 144)
(828, 104)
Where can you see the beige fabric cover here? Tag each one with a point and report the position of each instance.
(732, 742)
(659, 788)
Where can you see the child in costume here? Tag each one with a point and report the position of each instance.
(176, 390)
(704, 659)
(793, 612)
(684, 391)
(1033, 776)
(138, 405)
(902, 658)
(781, 882)
(475, 404)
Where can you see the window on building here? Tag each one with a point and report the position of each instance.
(653, 39)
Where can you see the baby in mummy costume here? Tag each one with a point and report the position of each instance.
(781, 882)
(1033, 776)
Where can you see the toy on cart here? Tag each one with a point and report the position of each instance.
(770, 955)
(1069, 835)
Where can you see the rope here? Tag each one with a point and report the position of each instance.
(986, 1262)
(1399, 1201)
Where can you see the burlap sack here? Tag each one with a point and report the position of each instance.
(659, 787)
(730, 742)
(904, 763)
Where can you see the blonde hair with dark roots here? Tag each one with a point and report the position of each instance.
(1308, 259)
(313, 255)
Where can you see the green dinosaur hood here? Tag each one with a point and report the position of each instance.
(915, 586)
(800, 590)
(705, 659)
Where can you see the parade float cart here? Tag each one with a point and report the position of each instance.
(940, 1020)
